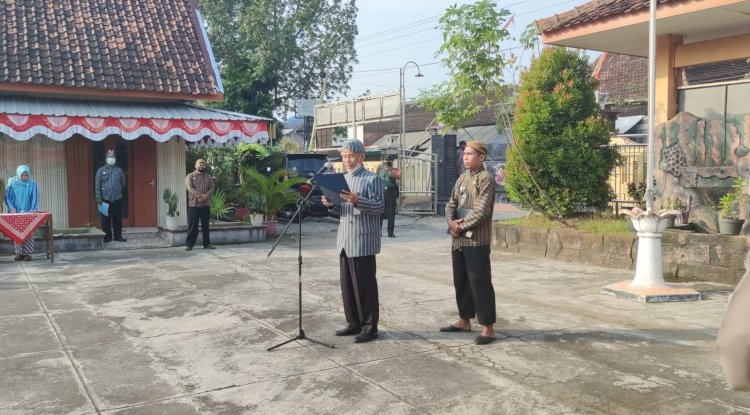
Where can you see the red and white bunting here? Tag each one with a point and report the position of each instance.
(60, 128)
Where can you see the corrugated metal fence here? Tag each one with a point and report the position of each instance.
(47, 161)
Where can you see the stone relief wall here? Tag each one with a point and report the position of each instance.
(701, 158)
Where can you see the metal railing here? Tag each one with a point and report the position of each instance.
(418, 186)
(632, 170)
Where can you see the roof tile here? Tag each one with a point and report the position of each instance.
(114, 45)
(594, 10)
(623, 77)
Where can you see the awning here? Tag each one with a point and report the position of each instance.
(22, 118)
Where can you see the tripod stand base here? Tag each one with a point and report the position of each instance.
(301, 336)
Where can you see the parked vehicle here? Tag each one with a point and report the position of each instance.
(305, 165)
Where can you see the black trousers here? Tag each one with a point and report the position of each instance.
(359, 290)
(391, 198)
(195, 214)
(472, 278)
(113, 223)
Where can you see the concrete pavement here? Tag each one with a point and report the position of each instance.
(164, 331)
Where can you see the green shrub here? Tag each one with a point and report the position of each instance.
(560, 160)
(637, 192)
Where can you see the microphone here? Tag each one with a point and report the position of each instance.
(325, 167)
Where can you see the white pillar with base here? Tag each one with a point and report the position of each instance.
(648, 270)
(649, 286)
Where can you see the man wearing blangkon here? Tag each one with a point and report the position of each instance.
(200, 186)
(358, 242)
(469, 215)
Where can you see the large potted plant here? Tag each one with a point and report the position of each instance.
(277, 189)
(170, 198)
(258, 206)
(730, 206)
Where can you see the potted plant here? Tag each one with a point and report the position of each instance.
(257, 206)
(730, 206)
(672, 209)
(275, 189)
(241, 212)
(170, 198)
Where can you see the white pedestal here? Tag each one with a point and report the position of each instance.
(648, 285)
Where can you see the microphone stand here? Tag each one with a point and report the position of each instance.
(301, 203)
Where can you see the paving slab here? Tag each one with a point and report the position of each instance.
(42, 383)
(26, 334)
(165, 331)
(14, 302)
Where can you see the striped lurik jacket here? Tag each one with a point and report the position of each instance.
(359, 227)
(474, 190)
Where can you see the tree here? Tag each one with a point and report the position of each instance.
(271, 51)
(560, 160)
(472, 34)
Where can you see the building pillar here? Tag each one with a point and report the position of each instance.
(666, 78)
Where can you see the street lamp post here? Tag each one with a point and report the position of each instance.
(402, 92)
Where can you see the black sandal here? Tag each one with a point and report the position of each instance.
(453, 329)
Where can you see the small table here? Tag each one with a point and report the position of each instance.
(21, 226)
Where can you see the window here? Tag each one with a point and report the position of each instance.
(716, 90)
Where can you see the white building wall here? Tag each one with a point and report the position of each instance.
(170, 161)
(47, 161)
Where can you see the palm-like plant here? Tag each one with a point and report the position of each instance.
(277, 191)
(218, 205)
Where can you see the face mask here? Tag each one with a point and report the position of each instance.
(111, 161)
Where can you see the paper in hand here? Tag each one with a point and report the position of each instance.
(103, 208)
(332, 185)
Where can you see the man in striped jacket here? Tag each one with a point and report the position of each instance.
(358, 242)
(469, 216)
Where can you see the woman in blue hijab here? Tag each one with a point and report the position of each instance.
(22, 196)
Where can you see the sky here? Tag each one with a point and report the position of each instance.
(394, 32)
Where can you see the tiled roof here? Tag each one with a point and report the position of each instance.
(623, 77)
(153, 46)
(594, 10)
(734, 70)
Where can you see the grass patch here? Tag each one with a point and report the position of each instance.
(596, 224)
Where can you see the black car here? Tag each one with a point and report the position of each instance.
(305, 165)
